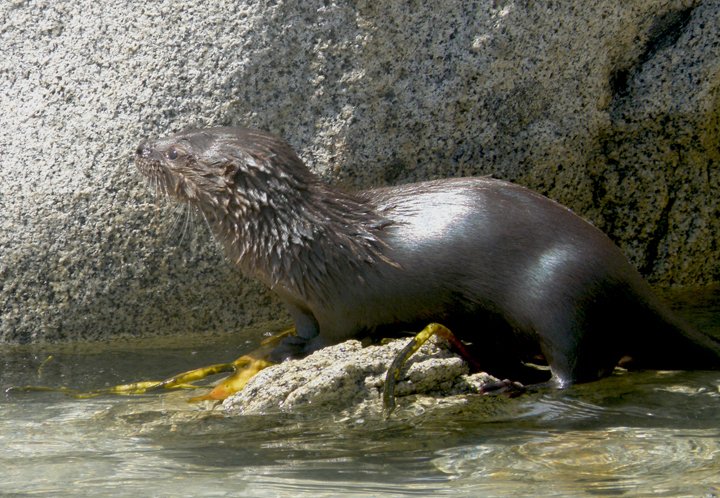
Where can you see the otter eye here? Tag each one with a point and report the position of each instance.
(172, 154)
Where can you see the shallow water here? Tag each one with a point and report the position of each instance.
(640, 434)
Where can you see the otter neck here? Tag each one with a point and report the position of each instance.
(293, 240)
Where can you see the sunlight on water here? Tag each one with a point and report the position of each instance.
(616, 461)
(641, 434)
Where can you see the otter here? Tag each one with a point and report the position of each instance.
(512, 273)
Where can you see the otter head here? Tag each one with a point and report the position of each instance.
(250, 187)
(182, 166)
(213, 167)
(275, 218)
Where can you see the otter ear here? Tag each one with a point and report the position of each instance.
(229, 169)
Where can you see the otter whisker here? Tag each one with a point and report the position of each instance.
(181, 222)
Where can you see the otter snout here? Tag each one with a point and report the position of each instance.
(143, 150)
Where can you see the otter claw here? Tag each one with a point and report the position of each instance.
(393, 374)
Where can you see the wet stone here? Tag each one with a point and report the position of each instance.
(349, 377)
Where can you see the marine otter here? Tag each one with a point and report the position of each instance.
(508, 270)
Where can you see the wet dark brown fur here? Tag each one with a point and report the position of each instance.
(508, 270)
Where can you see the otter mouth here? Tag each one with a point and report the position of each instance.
(155, 175)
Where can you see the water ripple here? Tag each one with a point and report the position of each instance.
(616, 461)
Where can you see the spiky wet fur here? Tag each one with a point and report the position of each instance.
(276, 220)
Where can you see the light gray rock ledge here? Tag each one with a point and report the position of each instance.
(610, 107)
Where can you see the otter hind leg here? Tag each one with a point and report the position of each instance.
(581, 343)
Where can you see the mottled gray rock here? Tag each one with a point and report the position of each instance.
(347, 378)
(609, 107)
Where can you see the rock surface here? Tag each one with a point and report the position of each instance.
(347, 378)
(609, 107)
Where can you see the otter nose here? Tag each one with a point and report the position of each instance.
(142, 150)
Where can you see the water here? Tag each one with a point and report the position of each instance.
(640, 434)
